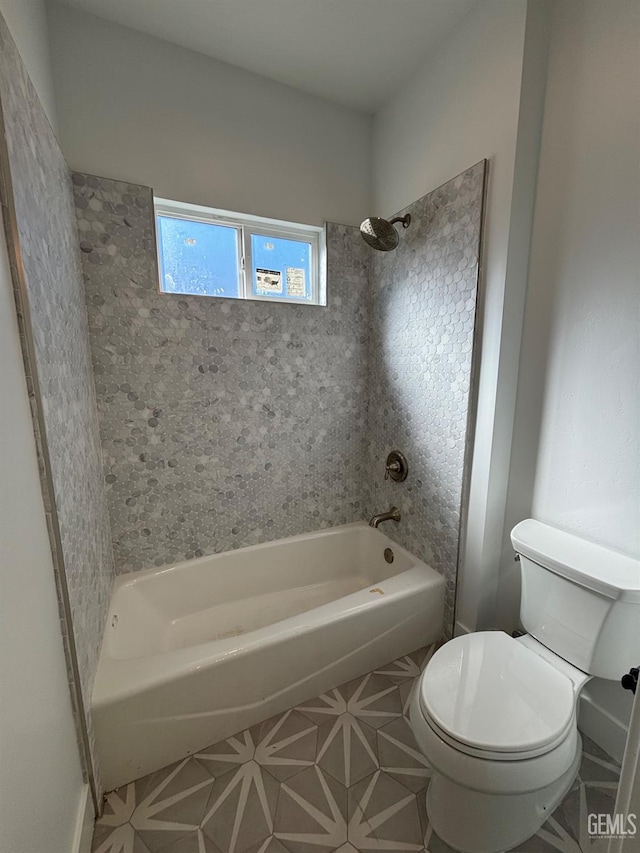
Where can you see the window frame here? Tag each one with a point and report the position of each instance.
(247, 225)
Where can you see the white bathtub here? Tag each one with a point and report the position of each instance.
(198, 651)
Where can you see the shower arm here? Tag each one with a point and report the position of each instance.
(406, 220)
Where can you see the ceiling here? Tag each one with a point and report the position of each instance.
(353, 52)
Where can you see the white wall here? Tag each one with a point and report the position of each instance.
(479, 96)
(576, 451)
(28, 24)
(585, 265)
(136, 108)
(461, 106)
(576, 454)
(42, 794)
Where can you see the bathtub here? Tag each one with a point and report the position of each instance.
(196, 652)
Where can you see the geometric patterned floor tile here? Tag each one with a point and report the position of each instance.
(383, 815)
(409, 667)
(347, 749)
(284, 745)
(594, 791)
(269, 845)
(241, 808)
(552, 838)
(400, 757)
(174, 808)
(405, 673)
(194, 842)
(374, 699)
(338, 774)
(433, 844)
(124, 839)
(226, 755)
(150, 815)
(406, 692)
(312, 812)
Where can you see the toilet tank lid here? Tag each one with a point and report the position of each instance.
(606, 572)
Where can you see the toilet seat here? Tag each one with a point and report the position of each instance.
(489, 696)
(492, 755)
(508, 774)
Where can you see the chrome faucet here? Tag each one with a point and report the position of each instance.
(392, 515)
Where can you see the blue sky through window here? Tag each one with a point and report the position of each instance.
(198, 257)
(281, 268)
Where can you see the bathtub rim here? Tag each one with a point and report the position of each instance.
(119, 679)
(133, 578)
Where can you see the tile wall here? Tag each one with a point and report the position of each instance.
(224, 423)
(228, 423)
(420, 352)
(53, 322)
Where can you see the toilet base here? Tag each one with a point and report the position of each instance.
(475, 822)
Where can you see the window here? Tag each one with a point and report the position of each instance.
(207, 252)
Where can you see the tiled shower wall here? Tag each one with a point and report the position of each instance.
(420, 350)
(224, 423)
(227, 423)
(52, 315)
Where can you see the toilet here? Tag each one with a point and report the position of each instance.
(496, 716)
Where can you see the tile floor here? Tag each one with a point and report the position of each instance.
(338, 773)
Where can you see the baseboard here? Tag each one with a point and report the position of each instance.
(84, 824)
(607, 732)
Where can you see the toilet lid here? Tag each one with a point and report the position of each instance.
(490, 692)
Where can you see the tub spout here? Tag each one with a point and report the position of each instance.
(392, 515)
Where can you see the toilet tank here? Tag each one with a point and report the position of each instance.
(578, 599)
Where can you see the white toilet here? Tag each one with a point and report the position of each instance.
(496, 717)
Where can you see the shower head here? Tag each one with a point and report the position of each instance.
(380, 233)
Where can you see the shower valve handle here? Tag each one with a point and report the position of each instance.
(396, 466)
(393, 466)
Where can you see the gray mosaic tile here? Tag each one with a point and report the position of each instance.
(420, 349)
(208, 406)
(224, 423)
(52, 314)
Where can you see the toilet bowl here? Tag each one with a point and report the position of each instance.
(496, 716)
(496, 719)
